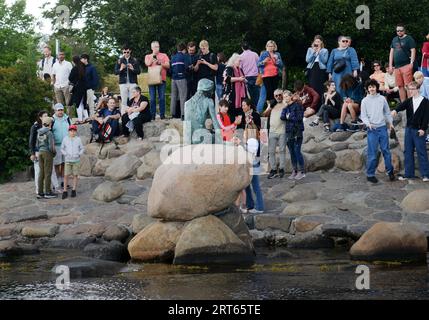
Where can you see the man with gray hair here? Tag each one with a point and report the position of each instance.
(158, 64)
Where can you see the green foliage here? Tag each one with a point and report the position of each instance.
(21, 93)
(291, 23)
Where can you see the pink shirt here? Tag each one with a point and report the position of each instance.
(163, 58)
(249, 63)
(270, 69)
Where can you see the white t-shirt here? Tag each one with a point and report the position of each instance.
(416, 102)
(47, 66)
(62, 72)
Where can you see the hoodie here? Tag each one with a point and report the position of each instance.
(45, 140)
(60, 129)
(72, 149)
(375, 111)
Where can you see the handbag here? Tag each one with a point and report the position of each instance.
(416, 66)
(259, 81)
(340, 64)
(154, 75)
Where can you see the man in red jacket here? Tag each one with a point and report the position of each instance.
(309, 98)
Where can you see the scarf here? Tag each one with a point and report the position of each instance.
(240, 88)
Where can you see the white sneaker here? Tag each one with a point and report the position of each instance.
(244, 211)
(254, 211)
(293, 175)
(300, 176)
(402, 178)
(425, 179)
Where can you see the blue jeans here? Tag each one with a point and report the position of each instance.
(414, 142)
(262, 99)
(114, 124)
(378, 137)
(296, 156)
(258, 192)
(425, 72)
(219, 91)
(253, 89)
(161, 96)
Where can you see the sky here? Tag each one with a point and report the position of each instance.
(33, 8)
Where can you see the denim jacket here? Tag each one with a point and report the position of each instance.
(323, 58)
(266, 54)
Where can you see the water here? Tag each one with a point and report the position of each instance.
(295, 274)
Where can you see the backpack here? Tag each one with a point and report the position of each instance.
(53, 62)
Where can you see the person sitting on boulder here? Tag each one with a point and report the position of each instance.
(309, 98)
(354, 93)
(331, 107)
(137, 113)
(108, 115)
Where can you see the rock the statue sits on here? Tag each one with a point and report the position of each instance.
(197, 111)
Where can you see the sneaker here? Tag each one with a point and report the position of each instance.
(372, 179)
(425, 179)
(357, 122)
(314, 124)
(281, 173)
(50, 196)
(327, 128)
(40, 196)
(73, 194)
(293, 175)
(300, 176)
(353, 128)
(65, 195)
(254, 211)
(273, 174)
(244, 210)
(392, 176)
(402, 178)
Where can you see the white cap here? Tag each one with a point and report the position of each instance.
(252, 145)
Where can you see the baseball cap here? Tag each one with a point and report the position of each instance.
(47, 120)
(59, 106)
(73, 127)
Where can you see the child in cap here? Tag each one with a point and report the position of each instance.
(46, 146)
(71, 148)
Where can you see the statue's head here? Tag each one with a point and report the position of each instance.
(206, 86)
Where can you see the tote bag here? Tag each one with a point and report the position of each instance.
(154, 75)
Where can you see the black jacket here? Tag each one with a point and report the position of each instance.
(33, 138)
(132, 74)
(418, 120)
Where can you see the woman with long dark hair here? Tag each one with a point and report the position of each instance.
(78, 81)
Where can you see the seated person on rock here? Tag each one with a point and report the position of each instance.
(331, 107)
(353, 95)
(107, 115)
(136, 114)
(309, 98)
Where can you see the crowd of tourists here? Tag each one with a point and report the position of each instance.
(340, 90)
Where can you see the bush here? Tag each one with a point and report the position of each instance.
(22, 95)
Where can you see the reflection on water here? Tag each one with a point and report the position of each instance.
(299, 274)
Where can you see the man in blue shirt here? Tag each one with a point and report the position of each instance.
(180, 63)
(92, 82)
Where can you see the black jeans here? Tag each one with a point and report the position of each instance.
(138, 124)
(327, 112)
(271, 84)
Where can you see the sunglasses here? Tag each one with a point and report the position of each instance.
(278, 95)
(401, 30)
(345, 41)
(125, 52)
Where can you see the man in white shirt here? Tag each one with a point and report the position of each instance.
(60, 78)
(46, 65)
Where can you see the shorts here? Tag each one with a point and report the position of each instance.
(71, 169)
(59, 157)
(404, 75)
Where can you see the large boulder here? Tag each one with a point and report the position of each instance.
(182, 192)
(137, 148)
(87, 163)
(40, 231)
(324, 160)
(314, 147)
(108, 191)
(101, 167)
(340, 136)
(154, 129)
(416, 201)
(309, 207)
(349, 160)
(302, 192)
(208, 240)
(391, 242)
(156, 243)
(123, 167)
(151, 162)
(141, 221)
(111, 251)
(116, 233)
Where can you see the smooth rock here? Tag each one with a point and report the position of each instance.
(87, 163)
(137, 148)
(340, 136)
(320, 161)
(40, 231)
(156, 243)
(108, 191)
(311, 240)
(123, 167)
(8, 218)
(272, 221)
(182, 192)
(116, 233)
(111, 251)
(79, 241)
(396, 162)
(349, 160)
(313, 147)
(85, 267)
(141, 221)
(416, 201)
(303, 208)
(340, 146)
(154, 129)
(208, 240)
(10, 248)
(358, 136)
(392, 242)
(303, 192)
(151, 162)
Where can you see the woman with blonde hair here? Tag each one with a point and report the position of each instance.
(317, 59)
(234, 86)
(270, 64)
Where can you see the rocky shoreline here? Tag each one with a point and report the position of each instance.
(333, 206)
